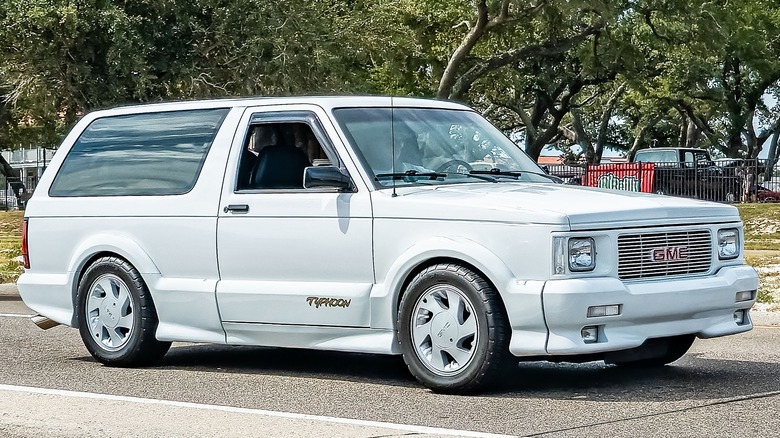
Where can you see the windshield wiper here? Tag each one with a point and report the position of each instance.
(474, 174)
(410, 174)
(496, 172)
(514, 174)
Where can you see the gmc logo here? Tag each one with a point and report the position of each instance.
(669, 253)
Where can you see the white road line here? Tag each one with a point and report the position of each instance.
(349, 421)
(14, 315)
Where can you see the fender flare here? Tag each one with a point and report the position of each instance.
(385, 295)
(119, 244)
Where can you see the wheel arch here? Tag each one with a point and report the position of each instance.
(386, 298)
(437, 261)
(98, 247)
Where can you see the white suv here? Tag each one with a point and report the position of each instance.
(365, 224)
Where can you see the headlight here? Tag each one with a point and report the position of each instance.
(582, 254)
(728, 243)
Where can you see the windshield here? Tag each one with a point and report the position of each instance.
(408, 146)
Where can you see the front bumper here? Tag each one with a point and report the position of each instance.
(703, 306)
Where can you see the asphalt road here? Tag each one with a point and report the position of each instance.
(722, 387)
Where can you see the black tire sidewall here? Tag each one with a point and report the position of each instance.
(119, 269)
(477, 373)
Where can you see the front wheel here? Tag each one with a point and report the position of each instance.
(116, 316)
(452, 330)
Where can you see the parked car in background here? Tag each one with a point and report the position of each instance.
(689, 172)
(764, 194)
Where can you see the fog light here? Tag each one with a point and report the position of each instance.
(745, 295)
(739, 317)
(590, 334)
(610, 310)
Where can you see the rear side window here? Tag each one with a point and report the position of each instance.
(656, 157)
(139, 154)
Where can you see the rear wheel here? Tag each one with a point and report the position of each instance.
(116, 316)
(452, 330)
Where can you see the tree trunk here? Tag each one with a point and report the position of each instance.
(581, 137)
(639, 140)
(450, 74)
(483, 25)
(773, 156)
(681, 136)
(692, 135)
(604, 125)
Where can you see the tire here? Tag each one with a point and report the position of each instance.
(455, 349)
(116, 316)
(653, 353)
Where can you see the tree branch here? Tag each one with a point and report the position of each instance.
(551, 48)
(464, 49)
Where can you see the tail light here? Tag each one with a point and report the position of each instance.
(25, 253)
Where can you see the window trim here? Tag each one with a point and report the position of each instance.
(296, 116)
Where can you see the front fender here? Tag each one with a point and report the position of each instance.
(522, 299)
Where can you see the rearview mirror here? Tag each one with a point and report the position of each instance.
(326, 176)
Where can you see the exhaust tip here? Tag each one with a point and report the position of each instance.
(44, 322)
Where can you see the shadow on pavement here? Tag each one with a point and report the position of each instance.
(690, 378)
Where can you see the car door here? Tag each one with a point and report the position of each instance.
(289, 255)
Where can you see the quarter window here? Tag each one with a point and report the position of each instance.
(139, 154)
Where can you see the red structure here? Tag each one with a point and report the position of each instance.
(636, 177)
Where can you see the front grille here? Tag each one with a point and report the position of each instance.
(664, 254)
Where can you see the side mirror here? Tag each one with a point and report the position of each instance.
(326, 176)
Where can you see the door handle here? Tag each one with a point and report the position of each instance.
(237, 208)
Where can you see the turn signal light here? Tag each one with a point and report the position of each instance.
(610, 310)
(745, 295)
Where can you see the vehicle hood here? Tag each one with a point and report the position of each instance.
(573, 207)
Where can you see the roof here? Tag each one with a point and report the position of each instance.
(326, 102)
(670, 149)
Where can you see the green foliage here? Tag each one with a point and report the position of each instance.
(711, 66)
(10, 245)
(692, 72)
(65, 57)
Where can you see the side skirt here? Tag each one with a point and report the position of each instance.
(357, 340)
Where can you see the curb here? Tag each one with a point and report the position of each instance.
(9, 290)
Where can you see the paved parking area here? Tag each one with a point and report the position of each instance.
(723, 387)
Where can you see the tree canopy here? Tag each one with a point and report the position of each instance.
(578, 74)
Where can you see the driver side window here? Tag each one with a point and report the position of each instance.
(275, 156)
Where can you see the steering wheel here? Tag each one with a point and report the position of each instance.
(451, 163)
